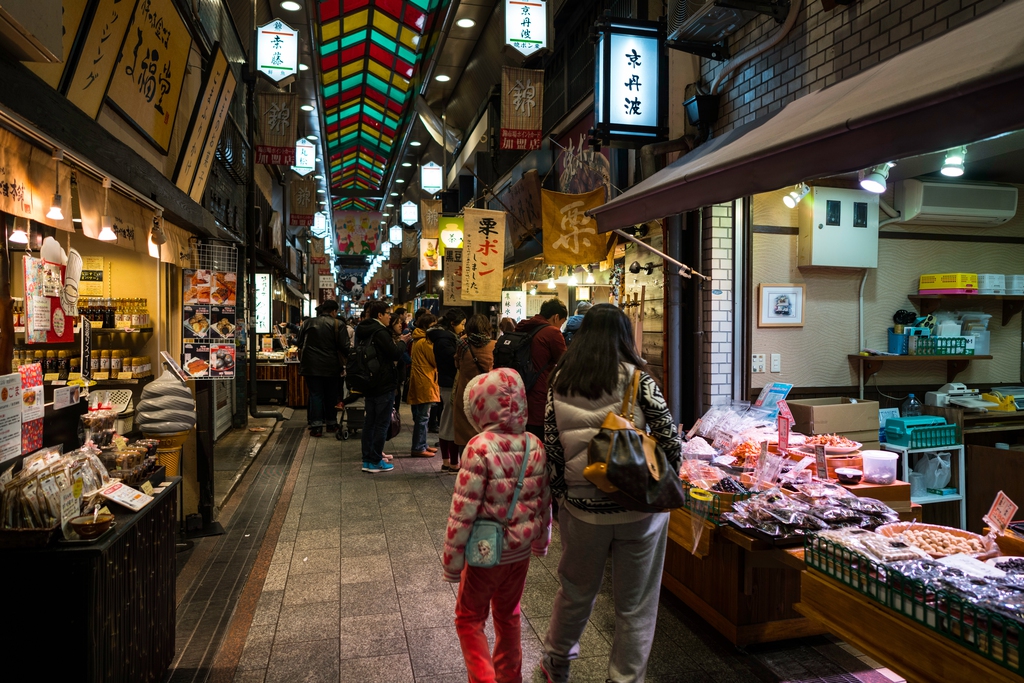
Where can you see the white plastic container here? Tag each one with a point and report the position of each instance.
(991, 283)
(879, 467)
(1015, 284)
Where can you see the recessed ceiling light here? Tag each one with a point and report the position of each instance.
(406, 164)
(306, 107)
(291, 6)
(311, 137)
(319, 159)
(415, 143)
(303, 67)
(389, 205)
(385, 214)
(321, 191)
(442, 78)
(394, 194)
(399, 180)
(318, 177)
(465, 23)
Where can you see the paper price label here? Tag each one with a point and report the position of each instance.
(820, 463)
(69, 509)
(147, 488)
(783, 433)
(1001, 513)
(785, 412)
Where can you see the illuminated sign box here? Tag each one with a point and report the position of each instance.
(277, 50)
(631, 79)
(431, 178)
(526, 25)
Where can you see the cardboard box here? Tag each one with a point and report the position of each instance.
(834, 415)
(913, 515)
(869, 445)
(865, 436)
(896, 492)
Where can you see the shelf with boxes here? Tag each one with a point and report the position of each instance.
(927, 304)
(869, 365)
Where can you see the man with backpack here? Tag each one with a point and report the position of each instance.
(371, 372)
(532, 350)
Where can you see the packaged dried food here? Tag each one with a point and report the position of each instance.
(888, 549)
(865, 505)
(698, 448)
(835, 515)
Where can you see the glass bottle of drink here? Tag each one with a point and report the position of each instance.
(63, 365)
(109, 320)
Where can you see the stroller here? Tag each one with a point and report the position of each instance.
(353, 415)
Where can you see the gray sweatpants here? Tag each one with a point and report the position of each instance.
(637, 550)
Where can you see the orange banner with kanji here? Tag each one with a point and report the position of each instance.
(483, 254)
(570, 235)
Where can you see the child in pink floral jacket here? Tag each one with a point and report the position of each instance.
(496, 404)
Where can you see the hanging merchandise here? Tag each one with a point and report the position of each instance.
(570, 235)
(483, 254)
(453, 278)
(302, 204)
(522, 108)
(430, 213)
(278, 121)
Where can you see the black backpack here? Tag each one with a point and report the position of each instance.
(363, 368)
(514, 351)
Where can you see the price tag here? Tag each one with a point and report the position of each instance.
(1001, 513)
(70, 506)
(803, 464)
(59, 382)
(147, 488)
(99, 376)
(74, 376)
(784, 411)
(51, 377)
(820, 463)
(783, 433)
(76, 488)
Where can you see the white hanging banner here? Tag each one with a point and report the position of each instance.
(483, 254)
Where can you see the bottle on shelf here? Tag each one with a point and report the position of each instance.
(115, 364)
(94, 361)
(63, 365)
(38, 357)
(50, 364)
(109, 314)
(75, 367)
(911, 407)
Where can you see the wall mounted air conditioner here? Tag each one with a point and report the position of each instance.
(927, 202)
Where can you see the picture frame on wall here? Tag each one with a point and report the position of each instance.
(780, 305)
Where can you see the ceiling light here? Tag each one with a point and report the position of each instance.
(465, 23)
(56, 205)
(415, 143)
(440, 283)
(953, 165)
(590, 278)
(307, 107)
(106, 222)
(793, 198)
(573, 281)
(318, 177)
(19, 236)
(389, 204)
(291, 6)
(399, 180)
(394, 194)
(442, 78)
(312, 137)
(533, 290)
(873, 179)
(406, 164)
(551, 283)
(303, 67)
(321, 191)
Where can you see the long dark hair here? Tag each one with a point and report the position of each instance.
(590, 367)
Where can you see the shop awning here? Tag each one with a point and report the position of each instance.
(961, 87)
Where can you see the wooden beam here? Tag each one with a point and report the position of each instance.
(27, 96)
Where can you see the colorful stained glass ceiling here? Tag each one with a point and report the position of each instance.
(369, 54)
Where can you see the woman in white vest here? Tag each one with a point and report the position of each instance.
(589, 382)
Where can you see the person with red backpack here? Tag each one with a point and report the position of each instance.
(532, 350)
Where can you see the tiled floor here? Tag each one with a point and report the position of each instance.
(352, 592)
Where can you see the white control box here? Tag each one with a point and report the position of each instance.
(838, 228)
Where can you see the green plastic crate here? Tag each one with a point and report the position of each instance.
(940, 346)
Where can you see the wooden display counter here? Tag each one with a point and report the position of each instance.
(745, 588)
(908, 648)
(280, 383)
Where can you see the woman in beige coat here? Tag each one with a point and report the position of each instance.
(473, 356)
(423, 389)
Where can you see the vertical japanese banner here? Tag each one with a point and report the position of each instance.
(483, 255)
(99, 54)
(317, 252)
(570, 236)
(202, 117)
(513, 304)
(147, 80)
(409, 248)
(522, 108)
(453, 278)
(220, 118)
(302, 202)
(430, 211)
(278, 118)
(430, 259)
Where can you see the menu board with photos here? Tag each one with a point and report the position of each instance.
(209, 323)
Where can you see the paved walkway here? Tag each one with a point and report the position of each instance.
(347, 587)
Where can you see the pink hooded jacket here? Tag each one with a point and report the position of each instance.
(496, 405)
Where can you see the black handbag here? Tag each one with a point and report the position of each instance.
(629, 465)
(396, 425)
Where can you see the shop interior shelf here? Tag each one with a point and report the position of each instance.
(929, 498)
(929, 303)
(954, 364)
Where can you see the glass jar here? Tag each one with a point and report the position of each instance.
(115, 364)
(105, 360)
(94, 361)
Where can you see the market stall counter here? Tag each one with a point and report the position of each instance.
(113, 597)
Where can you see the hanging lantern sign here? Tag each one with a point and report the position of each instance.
(451, 233)
(526, 25)
(395, 234)
(277, 50)
(409, 213)
(630, 95)
(431, 178)
(305, 157)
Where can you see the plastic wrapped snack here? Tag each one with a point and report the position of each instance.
(888, 550)
(698, 448)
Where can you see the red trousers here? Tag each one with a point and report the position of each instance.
(498, 589)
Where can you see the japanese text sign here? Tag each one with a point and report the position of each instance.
(526, 25)
(358, 232)
(522, 108)
(569, 235)
(430, 257)
(277, 50)
(209, 149)
(628, 92)
(278, 118)
(513, 304)
(453, 278)
(1001, 513)
(483, 254)
(202, 118)
(263, 298)
(99, 54)
(451, 232)
(409, 213)
(430, 213)
(302, 204)
(431, 178)
(305, 157)
(147, 80)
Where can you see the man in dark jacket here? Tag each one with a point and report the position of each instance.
(572, 325)
(547, 347)
(379, 398)
(323, 347)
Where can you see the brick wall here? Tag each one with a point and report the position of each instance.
(718, 308)
(825, 47)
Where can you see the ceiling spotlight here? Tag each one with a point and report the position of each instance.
(873, 179)
(307, 107)
(19, 236)
(406, 164)
(399, 180)
(953, 165)
(634, 267)
(394, 194)
(793, 198)
(303, 67)
(415, 143)
(533, 290)
(318, 177)
(573, 280)
(465, 23)
(442, 78)
(389, 204)
(321, 191)
(590, 278)
(291, 6)
(312, 138)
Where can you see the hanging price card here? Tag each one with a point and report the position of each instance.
(1001, 513)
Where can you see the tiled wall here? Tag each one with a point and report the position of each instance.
(825, 47)
(718, 307)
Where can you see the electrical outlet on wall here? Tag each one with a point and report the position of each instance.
(757, 363)
(776, 362)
